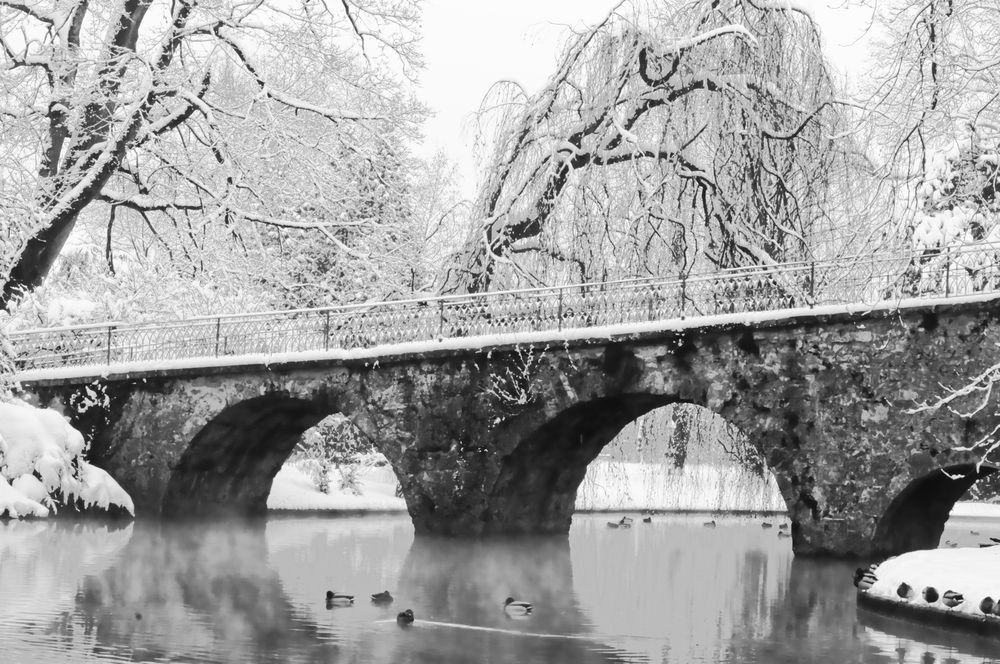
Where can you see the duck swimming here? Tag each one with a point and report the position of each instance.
(709, 524)
(338, 599)
(405, 618)
(517, 608)
(382, 598)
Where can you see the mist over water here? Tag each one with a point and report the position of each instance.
(669, 591)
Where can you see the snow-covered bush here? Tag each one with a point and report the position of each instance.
(334, 443)
(42, 466)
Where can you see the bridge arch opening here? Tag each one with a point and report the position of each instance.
(916, 517)
(681, 457)
(229, 465)
(539, 480)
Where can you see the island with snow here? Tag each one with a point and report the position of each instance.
(952, 588)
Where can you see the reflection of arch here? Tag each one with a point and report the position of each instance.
(536, 488)
(915, 518)
(230, 463)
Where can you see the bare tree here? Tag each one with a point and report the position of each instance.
(933, 115)
(671, 136)
(192, 112)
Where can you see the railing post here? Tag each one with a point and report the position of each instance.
(110, 328)
(812, 284)
(441, 318)
(559, 315)
(326, 331)
(947, 272)
(683, 292)
(218, 334)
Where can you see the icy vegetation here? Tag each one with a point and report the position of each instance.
(42, 466)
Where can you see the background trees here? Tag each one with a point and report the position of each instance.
(191, 116)
(672, 137)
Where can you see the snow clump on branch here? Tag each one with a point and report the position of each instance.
(42, 466)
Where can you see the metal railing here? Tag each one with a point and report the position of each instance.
(973, 269)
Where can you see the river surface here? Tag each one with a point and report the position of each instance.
(673, 590)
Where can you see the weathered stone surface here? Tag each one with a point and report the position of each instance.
(498, 441)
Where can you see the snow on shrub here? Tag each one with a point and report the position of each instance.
(42, 466)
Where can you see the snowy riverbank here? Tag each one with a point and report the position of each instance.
(608, 486)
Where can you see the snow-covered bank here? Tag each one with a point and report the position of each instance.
(376, 491)
(618, 485)
(608, 486)
(973, 573)
(976, 510)
(42, 466)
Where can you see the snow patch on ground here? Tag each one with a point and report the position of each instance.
(975, 573)
(608, 486)
(292, 489)
(977, 510)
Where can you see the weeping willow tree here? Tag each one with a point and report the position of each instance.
(672, 137)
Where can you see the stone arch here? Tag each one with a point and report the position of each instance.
(535, 489)
(916, 516)
(228, 466)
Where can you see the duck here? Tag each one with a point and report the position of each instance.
(905, 591)
(382, 598)
(404, 618)
(612, 524)
(782, 533)
(783, 526)
(709, 524)
(648, 519)
(973, 532)
(987, 606)
(517, 607)
(951, 599)
(930, 594)
(338, 599)
(950, 544)
(625, 522)
(867, 580)
(767, 525)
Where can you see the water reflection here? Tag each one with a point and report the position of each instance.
(670, 591)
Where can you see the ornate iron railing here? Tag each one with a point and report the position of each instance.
(859, 280)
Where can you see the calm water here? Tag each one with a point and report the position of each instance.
(670, 591)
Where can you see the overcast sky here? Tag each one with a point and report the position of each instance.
(470, 44)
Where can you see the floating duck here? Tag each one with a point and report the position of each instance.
(987, 606)
(625, 521)
(612, 524)
(951, 599)
(709, 524)
(950, 544)
(783, 526)
(930, 594)
(648, 519)
(516, 607)
(405, 618)
(782, 533)
(973, 532)
(382, 598)
(905, 591)
(338, 599)
(767, 525)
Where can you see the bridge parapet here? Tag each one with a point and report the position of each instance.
(884, 279)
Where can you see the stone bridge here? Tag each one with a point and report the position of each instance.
(497, 440)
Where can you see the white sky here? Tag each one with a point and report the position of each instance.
(470, 44)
